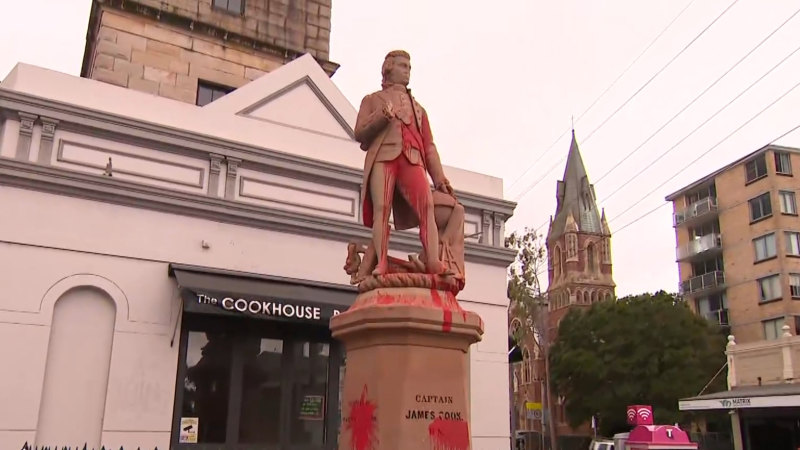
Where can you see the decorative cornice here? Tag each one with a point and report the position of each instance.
(162, 136)
(111, 190)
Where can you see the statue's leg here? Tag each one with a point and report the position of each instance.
(381, 185)
(412, 182)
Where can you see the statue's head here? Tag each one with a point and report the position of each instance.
(396, 68)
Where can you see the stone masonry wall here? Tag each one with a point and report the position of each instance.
(301, 25)
(150, 56)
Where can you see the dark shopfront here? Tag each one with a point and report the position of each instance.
(257, 367)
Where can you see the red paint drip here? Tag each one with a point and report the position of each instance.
(361, 422)
(452, 299)
(447, 321)
(449, 435)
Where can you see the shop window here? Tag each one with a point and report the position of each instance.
(788, 203)
(783, 163)
(760, 207)
(797, 325)
(792, 243)
(756, 168)
(242, 386)
(231, 6)
(772, 328)
(765, 247)
(770, 288)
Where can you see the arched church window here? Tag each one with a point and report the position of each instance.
(559, 267)
(572, 246)
(590, 257)
(526, 366)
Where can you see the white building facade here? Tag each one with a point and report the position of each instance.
(168, 270)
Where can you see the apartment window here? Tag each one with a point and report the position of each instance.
(714, 308)
(792, 243)
(772, 328)
(756, 168)
(783, 163)
(209, 92)
(770, 288)
(760, 207)
(765, 247)
(788, 204)
(231, 6)
(794, 284)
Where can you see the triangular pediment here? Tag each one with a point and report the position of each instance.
(298, 95)
(300, 105)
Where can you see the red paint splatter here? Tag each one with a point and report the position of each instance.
(361, 422)
(449, 434)
(451, 298)
(447, 321)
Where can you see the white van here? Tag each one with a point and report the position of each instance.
(601, 444)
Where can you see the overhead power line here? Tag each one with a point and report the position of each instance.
(602, 94)
(640, 89)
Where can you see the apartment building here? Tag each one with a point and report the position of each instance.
(738, 244)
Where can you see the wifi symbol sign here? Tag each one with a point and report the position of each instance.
(640, 415)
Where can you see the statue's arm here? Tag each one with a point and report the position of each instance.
(432, 160)
(371, 119)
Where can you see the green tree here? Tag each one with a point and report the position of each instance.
(647, 349)
(528, 303)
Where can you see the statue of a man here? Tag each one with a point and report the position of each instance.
(394, 131)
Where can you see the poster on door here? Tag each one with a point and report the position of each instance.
(189, 426)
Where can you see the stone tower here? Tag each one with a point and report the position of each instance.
(578, 254)
(199, 50)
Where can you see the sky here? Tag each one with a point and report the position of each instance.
(660, 92)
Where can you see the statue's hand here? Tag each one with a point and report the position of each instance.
(388, 110)
(445, 187)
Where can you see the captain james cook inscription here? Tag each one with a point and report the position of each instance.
(432, 407)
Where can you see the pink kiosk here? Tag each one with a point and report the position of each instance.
(646, 436)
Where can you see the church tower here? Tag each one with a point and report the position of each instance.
(578, 256)
(578, 243)
(196, 51)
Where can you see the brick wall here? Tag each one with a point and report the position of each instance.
(132, 49)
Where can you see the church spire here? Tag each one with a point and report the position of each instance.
(575, 197)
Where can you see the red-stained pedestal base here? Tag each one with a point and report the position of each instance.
(406, 377)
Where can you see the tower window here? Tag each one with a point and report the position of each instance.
(231, 6)
(209, 92)
(590, 257)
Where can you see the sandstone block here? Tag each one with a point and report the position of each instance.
(251, 73)
(104, 62)
(324, 34)
(109, 76)
(312, 8)
(118, 21)
(324, 2)
(312, 31)
(134, 41)
(107, 34)
(114, 50)
(175, 93)
(186, 82)
(325, 11)
(198, 59)
(160, 61)
(163, 34)
(160, 76)
(216, 76)
(163, 48)
(142, 85)
(135, 70)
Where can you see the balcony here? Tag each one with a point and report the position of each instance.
(708, 245)
(705, 283)
(703, 208)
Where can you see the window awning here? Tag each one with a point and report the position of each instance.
(766, 396)
(223, 292)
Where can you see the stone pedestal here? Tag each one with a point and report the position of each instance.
(406, 378)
